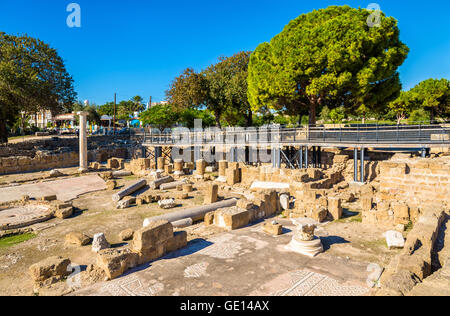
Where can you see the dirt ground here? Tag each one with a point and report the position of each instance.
(349, 247)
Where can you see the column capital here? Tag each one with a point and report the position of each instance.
(82, 113)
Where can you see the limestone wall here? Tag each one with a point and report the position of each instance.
(416, 181)
(46, 160)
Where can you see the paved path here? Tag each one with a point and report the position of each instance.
(246, 262)
(64, 189)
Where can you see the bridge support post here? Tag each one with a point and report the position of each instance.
(314, 156)
(319, 157)
(276, 157)
(232, 154)
(355, 168)
(424, 152)
(362, 165)
(306, 158)
(300, 157)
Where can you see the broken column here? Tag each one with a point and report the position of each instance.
(201, 166)
(211, 195)
(158, 182)
(160, 164)
(223, 165)
(172, 185)
(83, 142)
(178, 167)
(129, 190)
(100, 242)
(304, 241)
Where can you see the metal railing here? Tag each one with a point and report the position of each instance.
(359, 135)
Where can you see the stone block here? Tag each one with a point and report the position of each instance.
(178, 241)
(111, 185)
(232, 218)
(366, 203)
(78, 239)
(126, 234)
(209, 219)
(232, 176)
(50, 267)
(115, 262)
(151, 254)
(319, 214)
(49, 198)
(335, 208)
(401, 214)
(245, 204)
(156, 233)
(340, 159)
(273, 229)
(64, 213)
(211, 194)
(395, 240)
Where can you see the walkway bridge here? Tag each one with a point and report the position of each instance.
(294, 145)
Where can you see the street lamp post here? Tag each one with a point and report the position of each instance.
(22, 114)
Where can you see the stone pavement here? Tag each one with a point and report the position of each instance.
(244, 262)
(64, 189)
(22, 216)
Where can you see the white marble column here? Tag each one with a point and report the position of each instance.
(83, 142)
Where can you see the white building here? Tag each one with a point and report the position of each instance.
(41, 119)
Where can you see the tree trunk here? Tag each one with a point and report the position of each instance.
(217, 116)
(250, 119)
(3, 131)
(312, 112)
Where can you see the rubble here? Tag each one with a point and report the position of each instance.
(126, 234)
(167, 204)
(53, 267)
(78, 239)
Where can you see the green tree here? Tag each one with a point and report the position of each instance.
(221, 89)
(160, 116)
(326, 55)
(187, 118)
(325, 114)
(187, 91)
(106, 109)
(138, 106)
(227, 89)
(434, 96)
(419, 116)
(337, 115)
(33, 77)
(402, 106)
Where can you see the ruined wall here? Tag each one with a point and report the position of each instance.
(60, 153)
(416, 181)
(269, 174)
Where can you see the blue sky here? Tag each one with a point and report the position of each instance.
(137, 47)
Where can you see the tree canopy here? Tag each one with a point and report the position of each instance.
(328, 55)
(221, 89)
(33, 77)
(434, 96)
